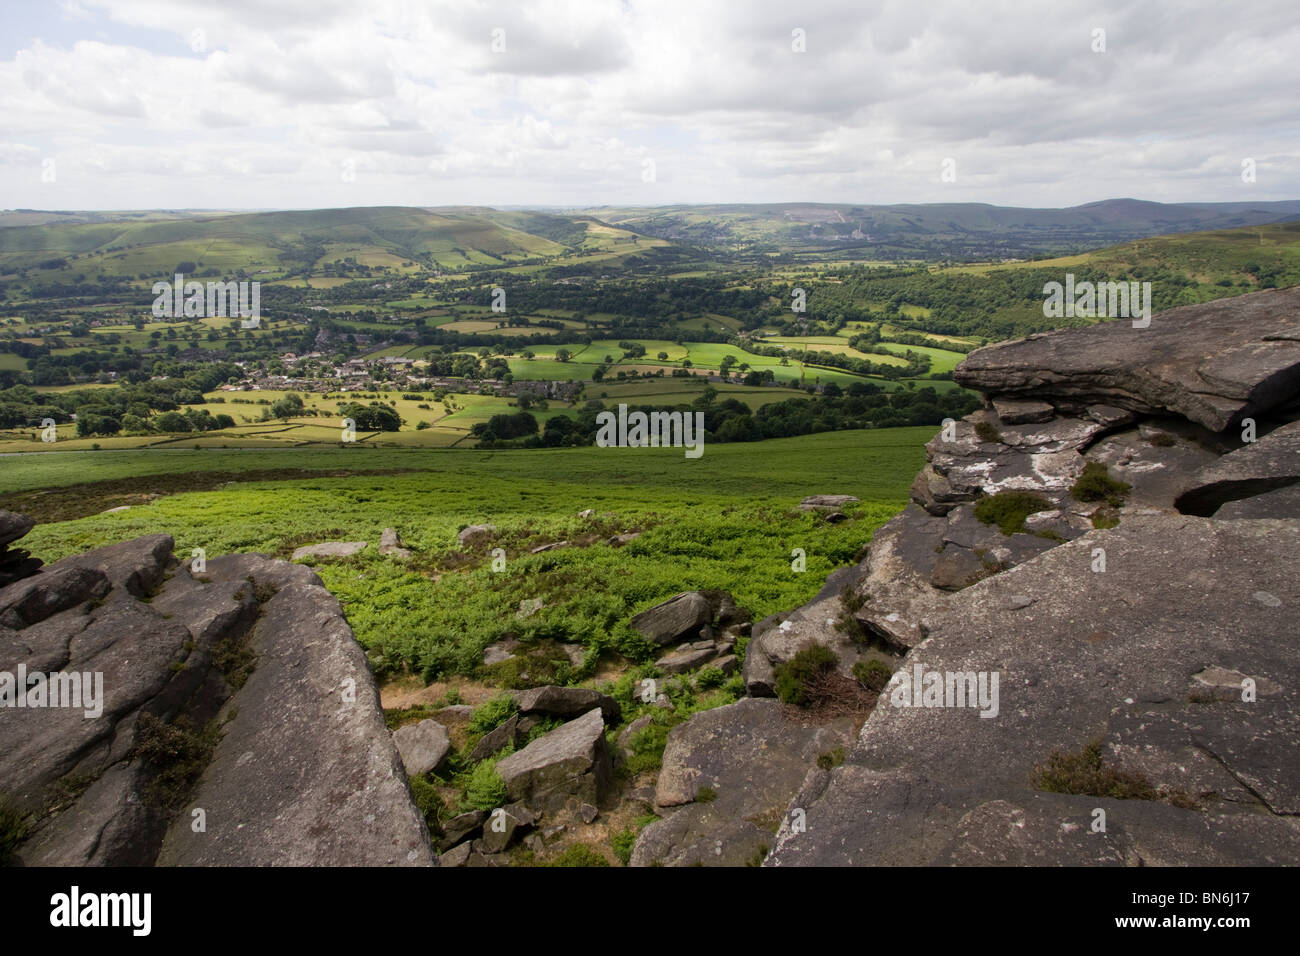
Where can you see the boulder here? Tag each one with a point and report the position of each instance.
(423, 746)
(686, 658)
(632, 729)
(461, 826)
(13, 526)
(1213, 363)
(476, 534)
(506, 734)
(503, 650)
(566, 702)
(328, 549)
(1283, 503)
(501, 828)
(681, 615)
(136, 567)
(752, 756)
(302, 768)
(390, 544)
(827, 502)
(569, 765)
(456, 856)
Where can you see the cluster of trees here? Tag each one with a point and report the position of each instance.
(375, 417)
(133, 406)
(190, 420)
(506, 428)
(861, 405)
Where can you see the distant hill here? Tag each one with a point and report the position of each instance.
(933, 231)
(294, 242)
(327, 246)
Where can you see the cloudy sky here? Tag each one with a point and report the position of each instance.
(241, 104)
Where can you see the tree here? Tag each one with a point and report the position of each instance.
(562, 355)
(173, 422)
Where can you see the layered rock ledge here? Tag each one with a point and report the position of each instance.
(239, 723)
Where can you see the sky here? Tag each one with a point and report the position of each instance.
(244, 104)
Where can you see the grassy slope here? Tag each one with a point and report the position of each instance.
(725, 520)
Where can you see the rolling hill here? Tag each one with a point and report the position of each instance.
(941, 230)
(299, 242)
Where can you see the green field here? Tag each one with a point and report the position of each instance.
(725, 520)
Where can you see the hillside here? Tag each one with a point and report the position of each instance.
(287, 243)
(939, 230)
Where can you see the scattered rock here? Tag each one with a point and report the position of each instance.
(681, 615)
(501, 829)
(566, 702)
(587, 813)
(423, 746)
(499, 737)
(476, 534)
(569, 764)
(456, 856)
(390, 544)
(685, 659)
(632, 729)
(549, 547)
(503, 650)
(329, 549)
(462, 826)
(827, 502)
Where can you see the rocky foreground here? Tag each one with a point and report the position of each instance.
(1145, 634)
(238, 722)
(1107, 552)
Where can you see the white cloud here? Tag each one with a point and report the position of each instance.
(277, 98)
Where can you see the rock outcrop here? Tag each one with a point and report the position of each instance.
(1138, 625)
(1213, 364)
(1092, 592)
(223, 717)
(15, 563)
